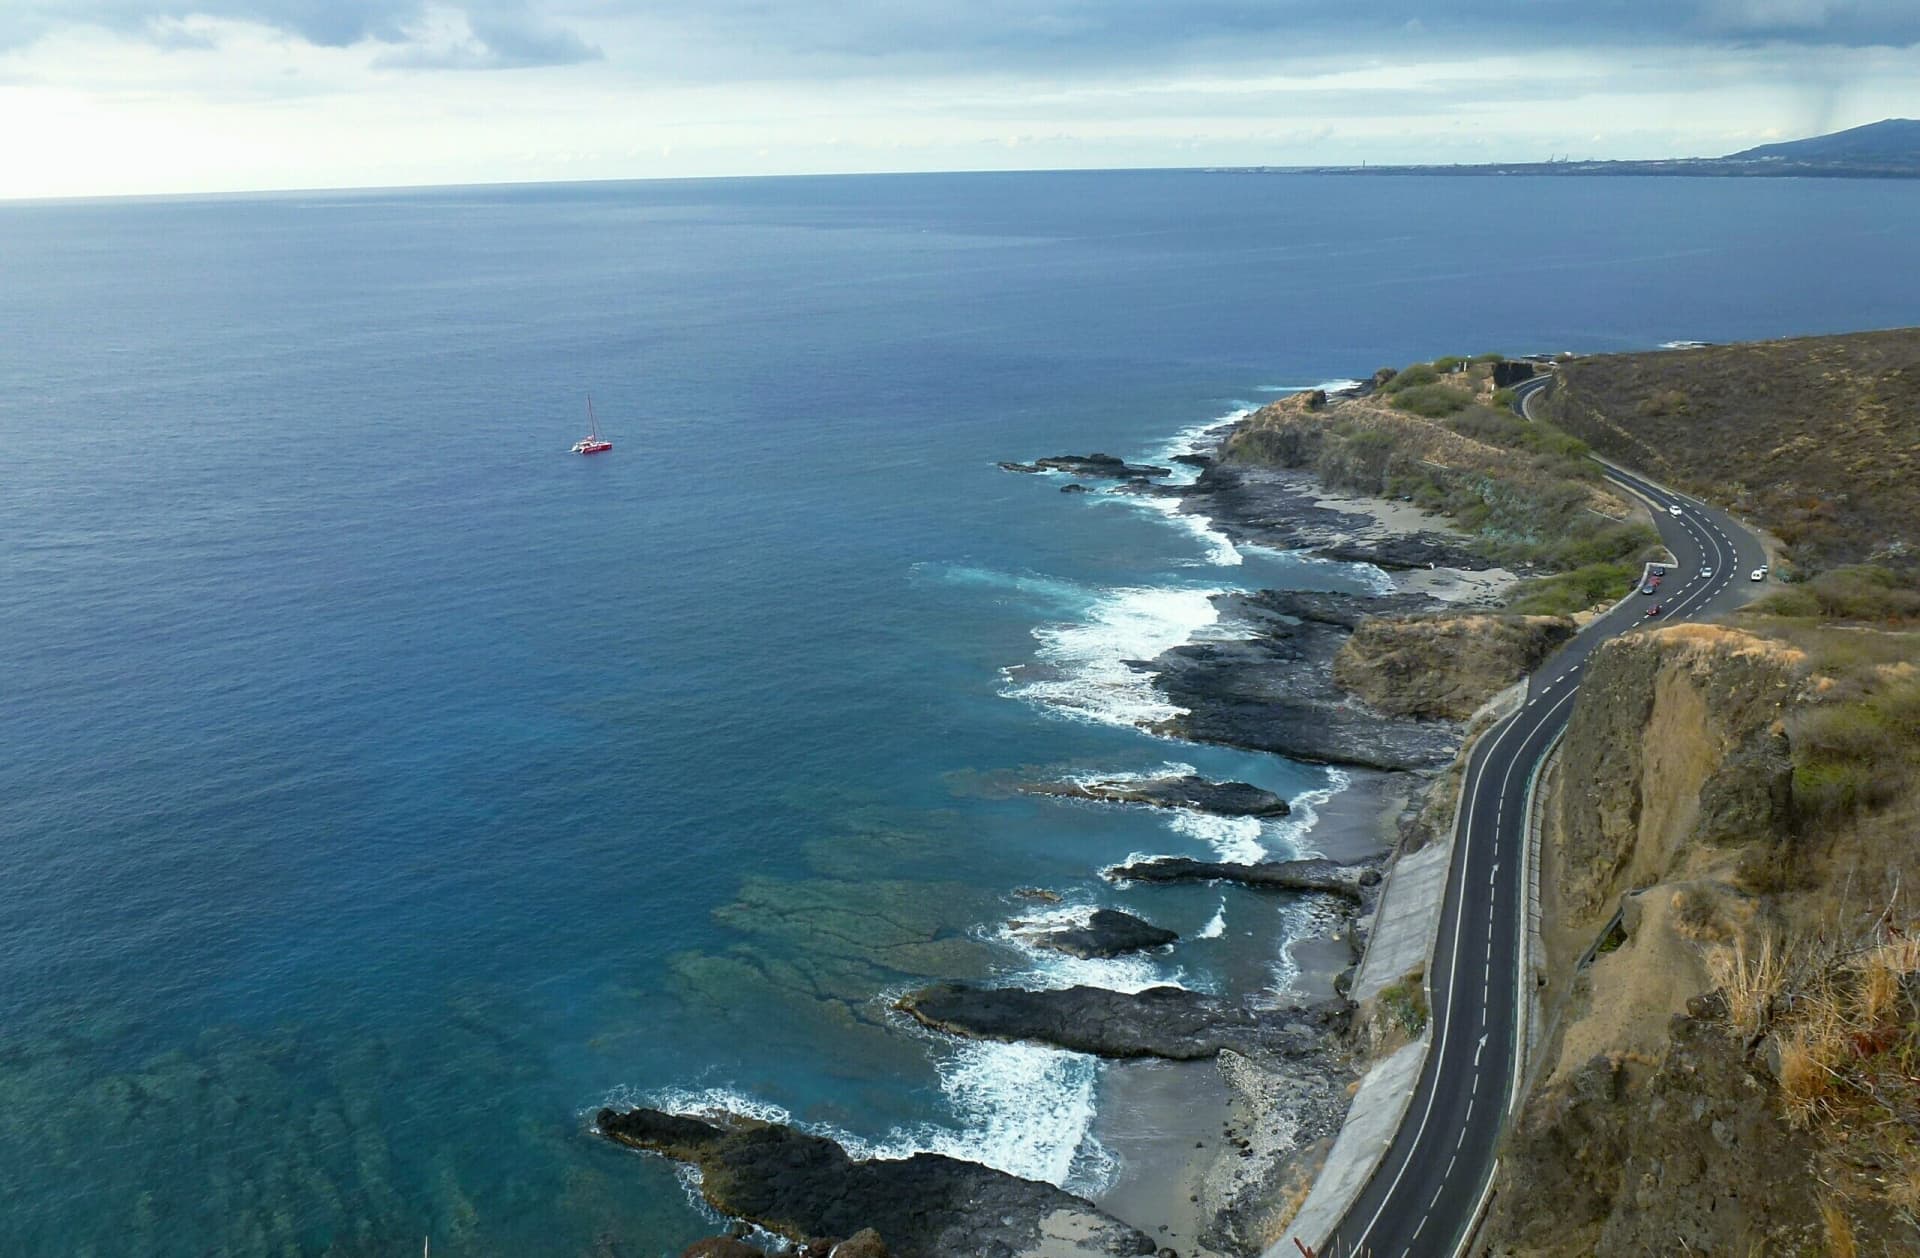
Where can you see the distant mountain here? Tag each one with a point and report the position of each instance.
(1891, 139)
(1888, 149)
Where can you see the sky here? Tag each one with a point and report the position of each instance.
(110, 97)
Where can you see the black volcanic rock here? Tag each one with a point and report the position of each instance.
(1186, 790)
(926, 1206)
(1282, 507)
(1089, 465)
(1169, 1022)
(1108, 933)
(1274, 690)
(1304, 875)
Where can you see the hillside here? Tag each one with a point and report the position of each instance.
(1895, 139)
(1732, 1071)
(1442, 436)
(1817, 439)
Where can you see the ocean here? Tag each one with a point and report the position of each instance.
(384, 790)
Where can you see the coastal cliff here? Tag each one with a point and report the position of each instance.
(1722, 1077)
(1444, 666)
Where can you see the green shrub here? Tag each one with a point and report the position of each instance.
(1406, 1000)
(1433, 401)
(1849, 731)
(1503, 397)
(1412, 377)
(1449, 364)
(1852, 592)
(1827, 789)
(1568, 592)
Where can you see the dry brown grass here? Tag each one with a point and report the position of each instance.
(1752, 980)
(1839, 1229)
(1818, 438)
(1806, 1080)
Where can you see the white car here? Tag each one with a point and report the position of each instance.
(1673, 510)
(1759, 574)
(1705, 573)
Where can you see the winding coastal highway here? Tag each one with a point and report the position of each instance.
(1427, 1190)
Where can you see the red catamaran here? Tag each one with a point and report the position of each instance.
(593, 442)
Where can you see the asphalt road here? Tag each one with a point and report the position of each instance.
(1427, 1189)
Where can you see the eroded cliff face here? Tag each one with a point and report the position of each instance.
(1652, 1123)
(1675, 759)
(1443, 666)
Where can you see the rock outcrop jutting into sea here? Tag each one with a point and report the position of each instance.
(1169, 1022)
(927, 1206)
(1182, 790)
(1107, 933)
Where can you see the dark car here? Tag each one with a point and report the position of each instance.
(1646, 589)
(1654, 610)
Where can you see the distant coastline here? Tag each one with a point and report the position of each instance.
(1688, 167)
(1888, 149)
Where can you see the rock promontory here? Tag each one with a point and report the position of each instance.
(1168, 1022)
(805, 1188)
(1095, 465)
(1183, 790)
(1302, 875)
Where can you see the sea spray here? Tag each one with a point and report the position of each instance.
(1087, 669)
(1025, 1109)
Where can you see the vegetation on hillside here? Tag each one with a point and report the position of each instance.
(1817, 439)
(1434, 434)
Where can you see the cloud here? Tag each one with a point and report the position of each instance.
(495, 34)
(481, 41)
(802, 37)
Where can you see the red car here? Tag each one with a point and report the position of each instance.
(1653, 611)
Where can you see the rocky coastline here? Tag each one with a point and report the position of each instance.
(1274, 1074)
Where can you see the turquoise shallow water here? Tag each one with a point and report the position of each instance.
(385, 790)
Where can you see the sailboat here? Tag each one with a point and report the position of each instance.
(593, 442)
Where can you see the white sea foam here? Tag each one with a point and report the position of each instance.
(1325, 386)
(1220, 550)
(1083, 670)
(1295, 830)
(1046, 968)
(1235, 839)
(1027, 1109)
(1198, 438)
(1216, 925)
(703, 1103)
(1167, 769)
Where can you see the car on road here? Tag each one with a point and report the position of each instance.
(1646, 589)
(1653, 611)
(1759, 574)
(1706, 572)
(1673, 510)
(1657, 571)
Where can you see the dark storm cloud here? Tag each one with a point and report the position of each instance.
(832, 36)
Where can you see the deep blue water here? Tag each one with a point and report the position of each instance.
(383, 790)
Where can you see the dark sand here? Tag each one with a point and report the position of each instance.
(1153, 1114)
